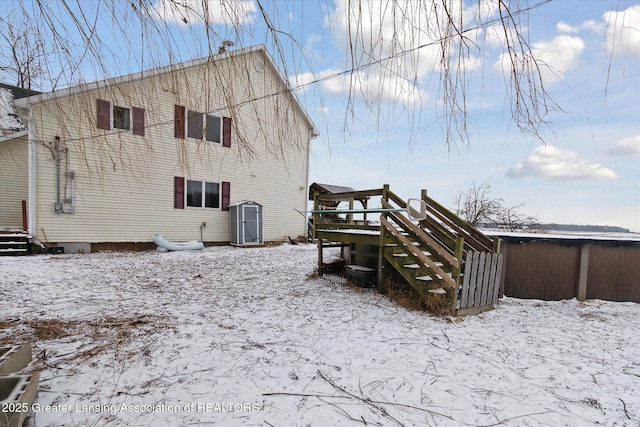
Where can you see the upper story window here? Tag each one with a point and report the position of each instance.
(198, 125)
(203, 126)
(121, 118)
(117, 117)
(194, 124)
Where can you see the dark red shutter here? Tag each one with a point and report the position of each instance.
(138, 120)
(226, 131)
(226, 195)
(178, 192)
(178, 124)
(103, 114)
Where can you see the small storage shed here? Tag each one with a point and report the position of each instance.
(246, 223)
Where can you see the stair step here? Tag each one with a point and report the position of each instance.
(428, 278)
(14, 244)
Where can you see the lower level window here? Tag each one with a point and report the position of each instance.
(203, 194)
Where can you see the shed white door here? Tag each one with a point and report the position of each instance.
(250, 224)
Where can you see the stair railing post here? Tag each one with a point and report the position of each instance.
(456, 271)
(364, 206)
(496, 245)
(382, 279)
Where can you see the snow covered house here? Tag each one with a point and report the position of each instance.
(165, 151)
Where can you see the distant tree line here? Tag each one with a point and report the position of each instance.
(480, 208)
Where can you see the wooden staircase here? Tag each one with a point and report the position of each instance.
(442, 257)
(432, 256)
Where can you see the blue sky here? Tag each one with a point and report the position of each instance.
(588, 171)
(585, 168)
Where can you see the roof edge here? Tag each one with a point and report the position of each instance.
(153, 72)
(14, 135)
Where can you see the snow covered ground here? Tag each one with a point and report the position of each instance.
(245, 336)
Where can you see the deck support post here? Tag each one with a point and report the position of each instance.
(320, 261)
(382, 279)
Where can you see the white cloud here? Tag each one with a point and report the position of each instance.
(554, 58)
(366, 85)
(563, 27)
(557, 164)
(623, 31)
(589, 25)
(557, 56)
(626, 147)
(232, 12)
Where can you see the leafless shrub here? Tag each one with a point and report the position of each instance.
(478, 206)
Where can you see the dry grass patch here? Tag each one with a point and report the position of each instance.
(90, 337)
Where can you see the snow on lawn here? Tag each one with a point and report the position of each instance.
(245, 336)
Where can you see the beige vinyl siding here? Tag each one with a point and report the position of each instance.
(124, 183)
(14, 181)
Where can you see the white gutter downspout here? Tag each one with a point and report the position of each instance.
(32, 152)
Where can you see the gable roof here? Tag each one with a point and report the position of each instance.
(129, 78)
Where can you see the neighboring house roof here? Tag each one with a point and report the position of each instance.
(9, 120)
(87, 87)
(18, 92)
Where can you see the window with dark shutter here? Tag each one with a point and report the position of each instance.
(178, 125)
(121, 118)
(226, 195)
(138, 120)
(226, 131)
(212, 133)
(103, 114)
(178, 192)
(194, 124)
(211, 195)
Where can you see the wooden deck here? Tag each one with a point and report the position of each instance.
(430, 255)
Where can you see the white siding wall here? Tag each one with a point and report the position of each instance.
(124, 183)
(14, 183)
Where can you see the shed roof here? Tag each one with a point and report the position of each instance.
(327, 189)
